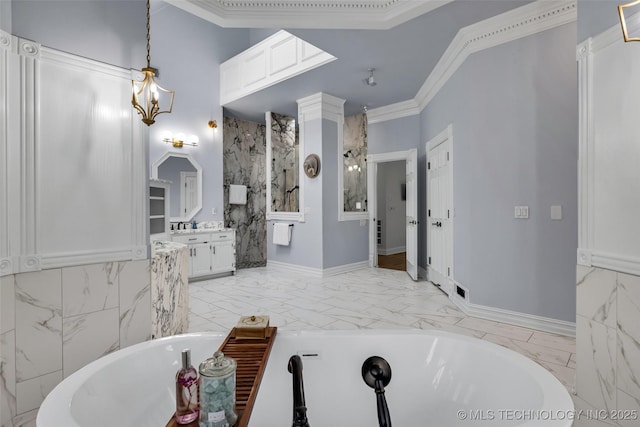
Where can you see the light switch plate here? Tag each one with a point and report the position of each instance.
(556, 212)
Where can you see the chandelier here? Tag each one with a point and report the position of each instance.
(146, 93)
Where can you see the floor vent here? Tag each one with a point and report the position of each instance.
(461, 292)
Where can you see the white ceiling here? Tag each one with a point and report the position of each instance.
(402, 39)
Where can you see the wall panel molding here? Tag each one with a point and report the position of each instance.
(518, 23)
(608, 153)
(73, 161)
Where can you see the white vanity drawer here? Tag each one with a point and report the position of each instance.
(221, 236)
(191, 238)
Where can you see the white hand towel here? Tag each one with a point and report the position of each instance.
(237, 194)
(281, 234)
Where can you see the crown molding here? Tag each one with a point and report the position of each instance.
(518, 23)
(321, 14)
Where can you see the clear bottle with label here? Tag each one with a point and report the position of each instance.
(218, 391)
(186, 391)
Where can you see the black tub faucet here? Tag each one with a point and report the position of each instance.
(376, 372)
(299, 408)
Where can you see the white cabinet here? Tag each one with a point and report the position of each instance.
(210, 252)
(159, 209)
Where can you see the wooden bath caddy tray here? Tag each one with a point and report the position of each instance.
(251, 356)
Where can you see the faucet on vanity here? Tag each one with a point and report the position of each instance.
(299, 408)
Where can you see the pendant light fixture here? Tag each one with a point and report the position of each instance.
(146, 93)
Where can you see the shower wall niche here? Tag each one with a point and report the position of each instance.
(244, 151)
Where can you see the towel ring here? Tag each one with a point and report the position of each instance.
(311, 166)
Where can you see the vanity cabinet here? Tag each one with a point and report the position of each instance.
(210, 252)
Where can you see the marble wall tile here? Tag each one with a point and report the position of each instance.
(244, 152)
(32, 392)
(135, 303)
(38, 324)
(284, 164)
(89, 288)
(7, 303)
(628, 335)
(170, 293)
(7, 378)
(87, 337)
(27, 419)
(354, 164)
(596, 296)
(596, 363)
(629, 410)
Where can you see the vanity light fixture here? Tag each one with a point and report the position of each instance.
(146, 93)
(180, 139)
(623, 22)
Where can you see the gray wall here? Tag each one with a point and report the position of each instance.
(186, 49)
(5, 16)
(305, 248)
(344, 242)
(514, 114)
(321, 242)
(108, 31)
(595, 16)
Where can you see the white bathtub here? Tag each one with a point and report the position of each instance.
(438, 379)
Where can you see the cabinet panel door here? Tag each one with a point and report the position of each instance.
(200, 259)
(224, 257)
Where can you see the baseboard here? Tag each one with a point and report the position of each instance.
(545, 324)
(392, 251)
(317, 272)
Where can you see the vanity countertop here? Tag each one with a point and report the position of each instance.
(162, 247)
(200, 231)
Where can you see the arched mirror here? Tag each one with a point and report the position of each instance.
(185, 192)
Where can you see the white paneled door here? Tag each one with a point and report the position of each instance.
(412, 214)
(440, 210)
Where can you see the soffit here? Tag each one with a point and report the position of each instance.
(325, 14)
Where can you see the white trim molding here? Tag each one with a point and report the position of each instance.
(518, 23)
(546, 324)
(348, 14)
(317, 272)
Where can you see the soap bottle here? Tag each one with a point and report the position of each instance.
(194, 225)
(186, 391)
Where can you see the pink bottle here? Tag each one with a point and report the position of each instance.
(186, 391)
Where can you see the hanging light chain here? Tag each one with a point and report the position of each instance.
(148, 33)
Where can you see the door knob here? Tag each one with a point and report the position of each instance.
(437, 224)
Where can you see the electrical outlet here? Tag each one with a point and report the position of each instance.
(521, 212)
(213, 211)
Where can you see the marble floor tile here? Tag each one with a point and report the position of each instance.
(496, 328)
(369, 298)
(532, 351)
(554, 341)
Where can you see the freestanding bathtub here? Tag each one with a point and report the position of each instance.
(438, 379)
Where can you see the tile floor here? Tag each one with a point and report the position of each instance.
(365, 299)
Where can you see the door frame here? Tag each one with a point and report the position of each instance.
(372, 194)
(446, 137)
